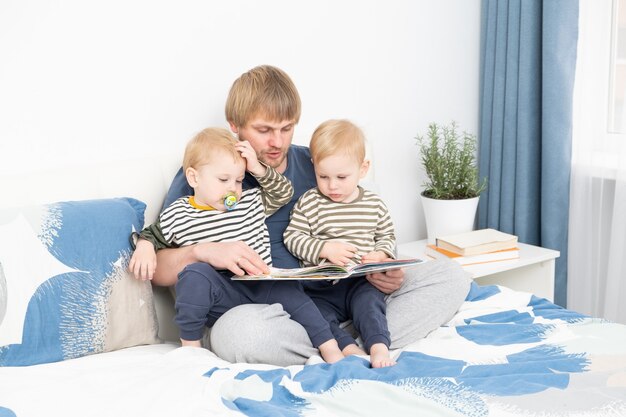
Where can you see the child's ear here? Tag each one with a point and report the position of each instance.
(365, 166)
(192, 177)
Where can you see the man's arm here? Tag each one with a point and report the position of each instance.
(237, 257)
(169, 263)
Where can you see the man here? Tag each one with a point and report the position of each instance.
(263, 107)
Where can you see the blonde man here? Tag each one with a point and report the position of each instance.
(263, 108)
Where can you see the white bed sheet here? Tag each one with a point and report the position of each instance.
(128, 382)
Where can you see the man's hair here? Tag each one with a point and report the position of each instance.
(203, 147)
(337, 137)
(264, 91)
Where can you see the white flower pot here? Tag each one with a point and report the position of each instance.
(448, 217)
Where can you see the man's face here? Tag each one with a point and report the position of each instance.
(270, 140)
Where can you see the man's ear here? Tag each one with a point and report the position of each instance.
(192, 177)
(365, 166)
(233, 128)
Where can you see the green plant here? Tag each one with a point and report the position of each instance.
(450, 163)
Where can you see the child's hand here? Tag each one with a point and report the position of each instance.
(375, 256)
(144, 261)
(253, 165)
(337, 252)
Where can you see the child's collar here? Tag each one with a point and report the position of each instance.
(192, 202)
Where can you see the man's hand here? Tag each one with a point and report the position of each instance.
(144, 260)
(337, 252)
(237, 257)
(387, 282)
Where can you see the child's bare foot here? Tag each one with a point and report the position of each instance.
(330, 351)
(353, 349)
(379, 356)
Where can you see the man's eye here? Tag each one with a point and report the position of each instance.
(263, 130)
(287, 128)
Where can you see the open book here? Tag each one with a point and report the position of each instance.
(330, 271)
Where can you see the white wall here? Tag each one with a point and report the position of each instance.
(85, 80)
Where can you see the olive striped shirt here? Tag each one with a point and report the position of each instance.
(364, 223)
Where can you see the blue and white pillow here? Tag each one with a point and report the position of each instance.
(64, 287)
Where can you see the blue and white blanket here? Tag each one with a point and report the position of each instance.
(505, 353)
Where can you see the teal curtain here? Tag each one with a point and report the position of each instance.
(528, 58)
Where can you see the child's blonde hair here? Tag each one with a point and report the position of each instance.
(264, 91)
(337, 137)
(208, 142)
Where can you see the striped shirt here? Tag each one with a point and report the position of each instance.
(184, 224)
(364, 223)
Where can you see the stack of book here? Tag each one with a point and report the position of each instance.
(475, 247)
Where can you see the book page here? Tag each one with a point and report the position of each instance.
(330, 271)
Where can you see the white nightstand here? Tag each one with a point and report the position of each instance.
(533, 272)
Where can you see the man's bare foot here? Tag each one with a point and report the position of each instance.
(330, 351)
(379, 356)
(353, 349)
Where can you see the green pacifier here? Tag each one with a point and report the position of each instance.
(230, 201)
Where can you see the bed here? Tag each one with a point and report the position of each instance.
(79, 337)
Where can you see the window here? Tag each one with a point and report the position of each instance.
(600, 87)
(617, 91)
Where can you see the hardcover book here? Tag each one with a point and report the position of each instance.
(477, 242)
(330, 271)
(496, 256)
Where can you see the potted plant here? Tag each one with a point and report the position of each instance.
(452, 187)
